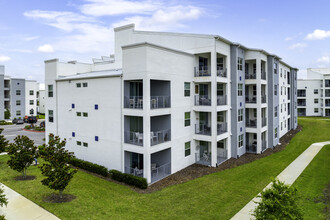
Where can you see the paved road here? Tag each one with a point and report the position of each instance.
(11, 131)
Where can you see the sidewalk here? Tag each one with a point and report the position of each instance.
(288, 176)
(20, 208)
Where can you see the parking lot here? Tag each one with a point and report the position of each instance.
(11, 131)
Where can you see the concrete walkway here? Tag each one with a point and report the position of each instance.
(288, 176)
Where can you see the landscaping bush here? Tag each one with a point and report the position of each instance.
(28, 127)
(92, 167)
(129, 179)
(5, 123)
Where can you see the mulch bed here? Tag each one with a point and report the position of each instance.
(196, 170)
(21, 178)
(55, 198)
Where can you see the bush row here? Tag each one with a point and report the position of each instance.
(92, 167)
(129, 179)
(5, 123)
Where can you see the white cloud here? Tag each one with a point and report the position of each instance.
(318, 35)
(298, 46)
(324, 59)
(118, 7)
(293, 37)
(4, 58)
(46, 48)
(22, 51)
(30, 38)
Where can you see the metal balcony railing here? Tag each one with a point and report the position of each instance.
(301, 103)
(251, 148)
(202, 71)
(160, 102)
(263, 75)
(203, 129)
(158, 137)
(134, 171)
(250, 76)
(203, 158)
(263, 99)
(204, 100)
(222, 100)
(264, 122)
(160, 172)
(301, 113)
(135, 138)
(251, 123)
(263, 145)
(251, 99)
(221, 128)
(135, 102)
(222, 72)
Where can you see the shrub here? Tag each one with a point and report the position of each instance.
(3, 142)
(28, 127)
(5, 123)
(129, 179)
(92, 167)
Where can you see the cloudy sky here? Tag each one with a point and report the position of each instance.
(32, 31)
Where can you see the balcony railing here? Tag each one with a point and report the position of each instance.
(263, 75)
(160, 172)
(251, 99)
(158, 137)
(222, 72)
(301, 113)
(251, 148)
(134, 171)
(252, 123)
(160, 102)
(135, 138)
(327, 104)
(203, 129)
(202, 71)
(202, 100)
(327, 113)
(135, 102)
(250, 76)
(264, 122)
(263, 145)
(7, 96)
(301, 94)
(221, 127)
(263, 99)
(203, 159)
(221, 100)
(301, 103)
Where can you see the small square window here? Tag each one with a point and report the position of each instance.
(18, 92)
(78, 85)
(316, 91)
(79, 143)
(85, 114)
(316, 101)
(72, 105)
(79, 114)
(96, 107)
(85, 144)
(31, 92)
(85, 84)
(96, 138)
(73, 134)
(316, 110)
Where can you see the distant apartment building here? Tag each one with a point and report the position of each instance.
(41, 101)
(15, 96)
(313, 94)
(165, 101)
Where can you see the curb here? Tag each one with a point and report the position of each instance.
(33, 130)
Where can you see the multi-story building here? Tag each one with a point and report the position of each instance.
(41, 101)
(31, 97)
(314, 93)
(167, 100)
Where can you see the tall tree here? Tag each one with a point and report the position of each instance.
(3, 201)
(3, 142)
(56, 168)
(22, 153)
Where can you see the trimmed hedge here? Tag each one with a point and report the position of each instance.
(92, 167)
(129, 179)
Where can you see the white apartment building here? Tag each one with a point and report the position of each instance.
(314, 93)
(31, 97)
(167, 100)
(41, 101)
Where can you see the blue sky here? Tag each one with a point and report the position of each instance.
(32, 31)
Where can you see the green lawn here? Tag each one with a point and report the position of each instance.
(311, 183)
(215, 196)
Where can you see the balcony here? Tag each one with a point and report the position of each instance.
(263, 75)
(263, 99)
(202, 71)
(158, 137)
(222, 72)
(203, 158)
(134, 171)
(134, 102)
(221, 128)
(160, 166)
(251, 123)
(221, 100)
(264, 122)
(263, 146)
(203, 129)
(160, 102)
(135, 138)
(301, 93)
(133, 163)
(251, 99)
(251, 148)
(301, 103)
(202, 100)
(250, 76)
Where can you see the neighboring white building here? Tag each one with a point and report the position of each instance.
(41, 101)
(314, 93)
(167, 100)
(31, 100)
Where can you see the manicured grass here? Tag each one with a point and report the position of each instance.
(41, 116)
(215, 196)
(311, 183)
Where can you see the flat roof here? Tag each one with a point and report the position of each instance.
(93, 74)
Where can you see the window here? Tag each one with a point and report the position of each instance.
(85, 114)
(78, 85)
(73, 134)
(316, 91)
(240, 89)
(240, 115)
(18, 113)
(275, 132)
(275, 68)
(18, 92)
(85, 84)
(240, 141)
(79, 143)
(186, 89)
(96, 138)
(187, 149)
(239, 63)
(79, 114)
(31, 92)
(50, 116)
(96, 107)
(18, 102)
(281, 126)
(275, 89)
(31, 102)
(316, 110)
(281, 72)
(85, 144)
(72, 106)
(316, 101)
(275, 112)
(50, 90)
(187, 119)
